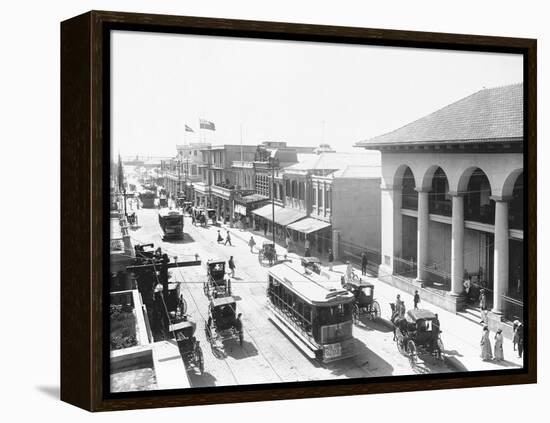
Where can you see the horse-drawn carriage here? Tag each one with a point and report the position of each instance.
(216, 285)
(364, 303)
(189, 347)
(204, 216)
(417, 333)
(223, 323)
(267, 253)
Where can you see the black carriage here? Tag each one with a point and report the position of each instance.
(189, 346)
(216, 284)
(223, 323)
(267, 253)
(364, 302)
(144, 252)
(417, 333)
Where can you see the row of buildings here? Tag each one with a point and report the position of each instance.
(435, 203)
(292, 193)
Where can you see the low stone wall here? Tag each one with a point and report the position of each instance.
(444, 300)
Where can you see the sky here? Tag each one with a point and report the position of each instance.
(299, 92)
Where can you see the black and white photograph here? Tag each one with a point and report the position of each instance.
(293, 211)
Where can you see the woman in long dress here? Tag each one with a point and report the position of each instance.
(486, 350)
(499, 353)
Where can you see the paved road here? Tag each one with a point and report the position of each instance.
(267, 355)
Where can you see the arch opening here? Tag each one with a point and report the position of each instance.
(439, 199)
(478, 206)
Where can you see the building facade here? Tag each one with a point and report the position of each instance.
(452, 202)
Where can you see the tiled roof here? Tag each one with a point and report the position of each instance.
(493, 114)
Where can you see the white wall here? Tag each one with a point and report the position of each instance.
(356, 214)
(30, 130)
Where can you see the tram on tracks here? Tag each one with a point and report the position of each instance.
(315, 313)
(171, 223)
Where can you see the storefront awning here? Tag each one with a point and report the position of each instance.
(283, 216)
(308, 225)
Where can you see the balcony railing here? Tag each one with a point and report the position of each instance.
(441, 207)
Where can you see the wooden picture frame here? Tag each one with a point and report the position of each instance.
(85, 125)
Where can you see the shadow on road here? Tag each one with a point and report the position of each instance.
(380, 325)
(238, 352)
(186, 239)
(198, 380)
(370, 363)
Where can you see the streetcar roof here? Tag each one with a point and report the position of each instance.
(166, 212)
(311, 287)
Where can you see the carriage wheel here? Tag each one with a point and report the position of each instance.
(375, 310)
(356, 313)
(182, 305)
(411, 350)
(199, 357)
(440, 347)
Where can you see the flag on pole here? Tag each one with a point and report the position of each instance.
(188, 129)
(204, 124)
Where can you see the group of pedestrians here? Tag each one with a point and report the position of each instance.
(497, 354)
(227, 240)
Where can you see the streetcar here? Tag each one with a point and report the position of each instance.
(314, 312)
(148, 199)
(171, 223)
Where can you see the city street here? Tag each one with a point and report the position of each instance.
(267, 355)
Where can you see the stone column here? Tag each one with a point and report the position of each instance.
(336, 244)
(457, 245)
(500, 278)
(391, 229)
(422, 236)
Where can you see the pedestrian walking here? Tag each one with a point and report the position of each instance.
(499, 352)
(485, 343)
(330, 259)
(515, 334)
(228, 239)
(251, 244)
(220, 238)
(483, 306)
(265, 228)
(399, 306)
(232, 266)
(416, 299)
(307, 247)
(519, 331)
(364, 262)
(287, 242)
